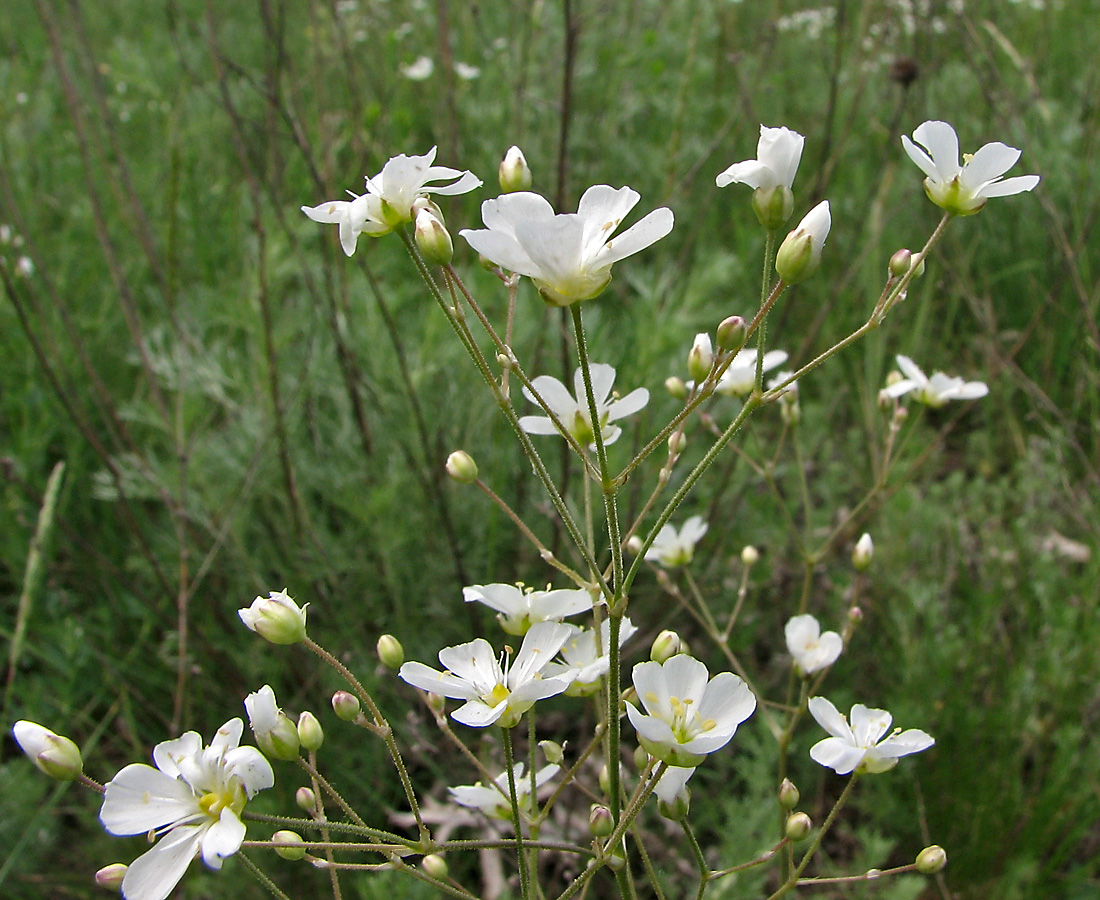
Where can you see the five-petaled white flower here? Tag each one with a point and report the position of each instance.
(812, 650)
(568, 256)
(963, 190)
(572, 411)
(672, 548)
(934, 391)
(687, 717)
(494, 693)
(859, 748)
(740, 378)
(495, 801)
(586, 656)
(518, 607)
(390, 196)
(778, 153)
(193, 799)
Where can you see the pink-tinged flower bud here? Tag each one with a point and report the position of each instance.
(731, 334)
(700, 357)
(600, 821)
(931, 860)
(903, 260)
(750, 556)
(800, 253)
(773, 206)
(676, 387)
(788, 794)
(276, 618)
(855, 615)
(346, 706)
(863, 553)
(432, 238)
(666, 645)
(310, 732)
(798, 826)
(306, 799)
(110, 877)
(553, 751)
(435, 865)
(53, 754)
(513, 172)
(288, 845)
(390, 652)
(677, 443)
(461, 467)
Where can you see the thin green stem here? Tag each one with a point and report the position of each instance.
(509, 763)
(260, 876)
(700, 859)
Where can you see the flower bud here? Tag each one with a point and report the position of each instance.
(666, 645)
(788, 794)
(731, 334)
(53, 754)
(513, 172)
(678, 808)
(553, 751)
(863, 553)
(281, 741)
(855, 615)
(773, 206)
(600, 821)
(790, 412)
(436, 702)
(461, 467)
(605, 780)
(931, 860)
(641, 758)
(432, 238)
(306, 799)
(288, 845)
(310, 732)
(435, 865)
(110, 877)
(346, 706)
(700, 357)
(750, 556)
(615, 859)
(634, 544)
(676, 387)
(903, 260)
(800, 253)
(798, 826)
(276, 618)
(390, 651)
(677, 442)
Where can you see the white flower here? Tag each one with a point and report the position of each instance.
(276, 618)
(567, 256)
(688, 717)
(672, 548)
(777, 156)
(812, 650)
(418, 70)
(518, 609)
(496, 801)
(963, 190)
(860, 748)
(740, 378)
(494, 693)
(192, 799)
(934, 391)
(800, 253)
(586, 656)
(466, 72)
(572, 411)
(390, 195)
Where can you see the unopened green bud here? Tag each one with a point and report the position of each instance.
(306, 799)
(276, 618)
(903, 260)
(800, 253)
(798, 826)
(750, 556)
(600, 821)
(435, 865)
(666, 645)
(788, 794)
(731, 334)
(288, 845)
(863, 553)
(677, 442)
(110, 877)
(676, 387)
(790, 412)
(346, 706)
(436, 702)
(432, 238)
(53, 754)
(513, 172)
(390, 651)
(700, 357)
(641, 758)
(773, 206)
(461, 467)
(281, 741)
(605, 780)
(310, 732)
(553, 751)
(931, 860)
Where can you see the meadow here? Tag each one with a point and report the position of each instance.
(238, 407)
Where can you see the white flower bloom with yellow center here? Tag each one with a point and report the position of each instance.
(518, 608)
(686, 716)
(860, 747)
(568, 256)
(495, 801)
(494, 693)
(812, 650)
(935, 391)
(672, 548)
(572, 409)
(193, 799)
(963, 189)
(585, 655)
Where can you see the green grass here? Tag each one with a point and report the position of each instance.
(240, 408)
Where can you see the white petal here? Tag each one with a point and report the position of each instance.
(505, 211)
(652, 688)
(869, 725)
(637, 237)
(559, 604)
(167, 754)
(540, 645)
(501, 249)
(555, 394)
(468, 181)
(942, 144)
(693, 530)
(900, 388)
(988, 164)
(140, 798)
(751, 172)
(780, 149)
(673, 783)
(504, 598)
(837, 754)
(251, 767)
(922, 159)
(912, 741)
(603, 209)
(628, 405)
(652, 728)
(153, 874)
(686, 677)
(262, 709)
(328, 212)
(228, 736)
(910, 370)
(1009, 186)
(443, 683)
(538, 425)
(728, 701)
(828, 717)
(222, 839)
(800, 631)
(477, 714)
(554, 246)
(474, 662)
(603, 379)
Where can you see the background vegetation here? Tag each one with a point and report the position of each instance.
(240, 408)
